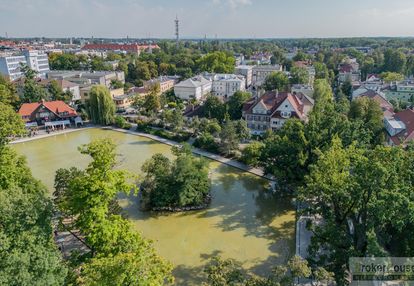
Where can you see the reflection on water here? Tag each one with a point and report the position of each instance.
(244, 221)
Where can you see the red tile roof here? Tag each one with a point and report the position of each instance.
(272, 100)
(407, 117)
(56, 107)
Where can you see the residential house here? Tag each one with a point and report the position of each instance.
(349, 71)
(400, 128)
(247, 72)
(273, 109)
(47, 111)
(261, 72)
(193, 88)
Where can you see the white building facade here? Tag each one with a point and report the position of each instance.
(193, 88)
(225, 85)
(247, 72)
(10, 66)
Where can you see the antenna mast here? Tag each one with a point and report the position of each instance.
(177, 31)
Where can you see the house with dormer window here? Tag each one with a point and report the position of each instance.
(271, 110)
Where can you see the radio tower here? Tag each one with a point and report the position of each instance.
(177, 31)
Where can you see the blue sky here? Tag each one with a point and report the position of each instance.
(224, 18)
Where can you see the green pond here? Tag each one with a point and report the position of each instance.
(244, 222)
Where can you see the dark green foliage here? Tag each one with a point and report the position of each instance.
(183, 182)
(276, 81)
(101, 106)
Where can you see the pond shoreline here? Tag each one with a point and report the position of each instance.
(230, 162)
(205, 205)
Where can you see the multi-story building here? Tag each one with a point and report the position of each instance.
(166, 83)
(193, 88)
(65, 86)
(307, 65)
(261, 72)
(273, 109)
(10, 65)
(84, 78)
(225, 85)
(247, 72)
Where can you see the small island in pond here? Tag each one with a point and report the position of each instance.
(179, 185)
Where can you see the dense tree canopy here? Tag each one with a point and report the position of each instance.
(276, 81)
(183, 182)
(88, 196)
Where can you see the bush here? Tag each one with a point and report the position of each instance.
(206, 141)
(120, 122)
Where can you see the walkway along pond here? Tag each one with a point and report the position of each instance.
(244, 221)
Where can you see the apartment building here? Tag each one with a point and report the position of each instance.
(261, 72)
(225, 85)
(166, 83)
(193, 88)
(247, 72)
(10, 65)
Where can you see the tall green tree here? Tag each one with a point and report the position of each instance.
(88, 196)
(101, 105)
(276, 81)
(299, 75)
(28, 255)
(217, 62)
(235, 104)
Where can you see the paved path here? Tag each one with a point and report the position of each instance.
(43, 134)
(212, 156)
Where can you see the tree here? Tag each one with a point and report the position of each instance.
(235, 104)
(101, 106)
(299, 75)
(346, 89)
(28, 255)
(394, 61)
(11, 124)
(217, 62)
(243, 132)
(183, 182)
(174, 118)
(252, 153)
(152, 101)
(351, 188)
(88, 196)
(229, 140)
(125, 269)
(8, 93)
(389, 77)
(276, 81)
(214, 108)
(285, 155)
